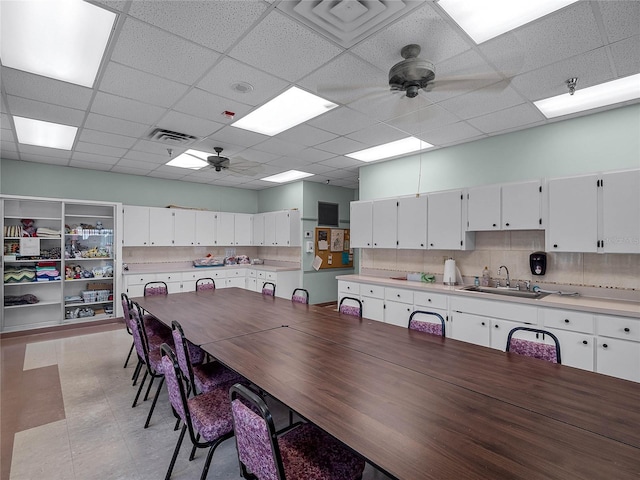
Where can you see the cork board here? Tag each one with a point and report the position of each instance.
(333, 247)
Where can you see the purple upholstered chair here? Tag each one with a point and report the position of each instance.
(302, 452)
(269, 289)
(205, 284)
(126, 306)
(207, 417)
(155, 288)
(201, 377)
(300, 295)
(534, 348)
(424, 322)
(350, 306)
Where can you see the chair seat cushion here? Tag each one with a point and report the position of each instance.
(529, 348)
(211, 375)
(427, 327)
(308, 453)
(350, 310)
(211, 414)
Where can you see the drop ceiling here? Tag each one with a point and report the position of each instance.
(176, 66)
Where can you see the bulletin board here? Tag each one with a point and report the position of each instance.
(333, 248)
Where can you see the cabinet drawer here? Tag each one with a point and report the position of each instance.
(141, 279)
(496, 309)
(192, 276)
(349, 287)
(567, 320)
(169, 277)
(261, 274)
(618, 327)
(216, 274)
(271, 276)
(426, 300)
(398, 295)
(236, 272)
(372, 291)
(251, 273)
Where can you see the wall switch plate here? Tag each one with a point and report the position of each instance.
(308, 234)
(309, 247)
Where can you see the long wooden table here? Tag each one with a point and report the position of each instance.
(414, 405)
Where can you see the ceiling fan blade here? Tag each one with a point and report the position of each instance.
(470, 83)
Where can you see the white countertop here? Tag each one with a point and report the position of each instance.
(136, 269)
(606, 306)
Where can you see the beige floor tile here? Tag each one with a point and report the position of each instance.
(40, 354)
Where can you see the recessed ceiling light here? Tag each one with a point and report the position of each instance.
(287, 110)
(64, 40)
(392, 149)
(487, 19)
(288, 176)
(609, 93)
(192, 159)
(44, 134)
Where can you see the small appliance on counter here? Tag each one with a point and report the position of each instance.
(451, 275)
(538, 263)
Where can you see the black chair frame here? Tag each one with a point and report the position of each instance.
(357, 300)
(538, 332)
(415, 312)
(204, 280)
(273, 285)
(306, 293)
(158, 283)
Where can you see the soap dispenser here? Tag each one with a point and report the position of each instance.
(538, 263)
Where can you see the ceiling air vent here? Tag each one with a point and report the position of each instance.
(172, 138)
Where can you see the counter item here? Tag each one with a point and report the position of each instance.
(486, 277)
(449, 277)
(476, 281)
(538, 263)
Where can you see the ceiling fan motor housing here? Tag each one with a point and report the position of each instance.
(410, 75)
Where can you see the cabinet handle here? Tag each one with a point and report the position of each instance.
(555, 245)
(431, 244)
(626, 329)
(496, 326)
(585, 342)
(483, 324)
(370, 291)
(604, 345)
(494, 224)
(566, 320)
(398, 295)
(422, 244)
(428, 299)
(507, 224)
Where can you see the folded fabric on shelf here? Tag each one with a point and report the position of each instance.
(25, 299)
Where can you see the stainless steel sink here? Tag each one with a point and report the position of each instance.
(508, 292)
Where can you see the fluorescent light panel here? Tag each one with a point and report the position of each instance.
(287, 110)
(64, 39)
(392, 149)
(609, 93)
(486, 19)
(44, 134)
(192, 159)
(287, 176)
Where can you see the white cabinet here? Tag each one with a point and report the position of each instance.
(385, 223)
(242, 229)
(412, 222)
(258, 229)
(225, 228)
(184, 227)
(618, 346)
(483, 208)
(500, 332)
(621, 212)
(135, 226)
(444, 222)
(161, 230)
(470, 328)
(398, 305)
(576, 348)
(372, 298)
(573, 225)
(361, 224)
(205, 228)
(282, 229)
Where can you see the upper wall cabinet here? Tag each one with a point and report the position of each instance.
(445, 212)
(361, 223)
(135, 226)
(385, 223)
(225, 228)
(258, 229)
(205, 228)
(514, 206)
(412, 222)
(620, 212)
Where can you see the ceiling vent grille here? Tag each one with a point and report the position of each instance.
(170, 137)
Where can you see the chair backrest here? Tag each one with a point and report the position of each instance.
(175, 384)
(350, 306)
(140, 340)
(155, 288)
(182, 353)
(300, 295)
(428, 322)
(269, 288)
(533, 348)
(206, 283)
(255, 433)
(126, 310)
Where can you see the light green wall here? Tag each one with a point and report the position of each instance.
(282, 197)
(607, 140)
(36, 179)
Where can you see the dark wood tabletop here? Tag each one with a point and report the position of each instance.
(414, 426)
(605, 405)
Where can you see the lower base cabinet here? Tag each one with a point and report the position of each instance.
(618, 358)
(470, 328)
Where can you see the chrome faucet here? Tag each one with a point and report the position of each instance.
(508, 283)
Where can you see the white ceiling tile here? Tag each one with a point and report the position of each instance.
(289, 163)
(626, 56)
(257, 155)
(151, 50)
(6, 135)
(236, 136)
(8, 154)
(209, 106)
(385, 105)
(278, 147)
(216, 25)
(92, 158)
(450, 134)
(115, 125)
(423, 26)
(105, 167)
(341, 146)
(483, 101)
(33, 150)
(43, 89)
(229, 72)
(306, 135)
(318, 168)
(509, 118)
(152, 158)
(315, 155)
(342, 121)
(7, 146)
(48, 160)
(103, 138)
(284, 48)
(100, 149)
(156, 148)
(180, 122)
(130, 83)
(377, 134)
(621, 19)
(341, 162)
(139, 166)
(24, 107)
(122, 168)
(425, 119)
(116, 5)
(126, 109)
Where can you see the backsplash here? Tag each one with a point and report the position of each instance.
(187, 254)
(512, 249)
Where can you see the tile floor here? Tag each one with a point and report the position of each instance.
(66, 414)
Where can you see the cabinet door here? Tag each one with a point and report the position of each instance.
(576, 349)
(397, 313)
(270, 229)
(412, 222)
(619, 358)
(470, 328)
(161, 227)
(225, 229)
(521, 206)
(242, 229)
(483, 208)
(184, 227)
(573, 208)
(621, 212)
(361, 224)
(135, 226)
(500, 331)
(373, 308)
(385, 223)
(283, 229)
(444, 220)
(205, 228)
(258, 229)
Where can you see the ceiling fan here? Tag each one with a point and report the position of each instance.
(238, 166)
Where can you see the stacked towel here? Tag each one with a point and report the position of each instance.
(19, 274)
(45, 232)
(25, 299)
(46, 271)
